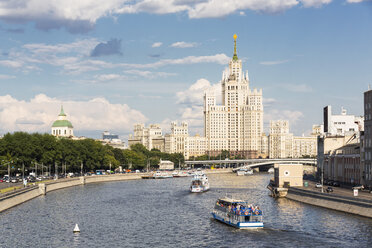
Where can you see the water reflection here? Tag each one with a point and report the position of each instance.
(162, 213)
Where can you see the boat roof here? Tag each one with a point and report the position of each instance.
(231, 200)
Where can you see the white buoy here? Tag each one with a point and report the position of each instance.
(76, 229)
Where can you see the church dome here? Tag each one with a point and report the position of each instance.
(62, 122)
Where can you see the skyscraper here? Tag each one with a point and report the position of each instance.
(237, 124)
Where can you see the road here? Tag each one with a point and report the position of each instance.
(340, 191)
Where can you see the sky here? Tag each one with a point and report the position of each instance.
(114, 63)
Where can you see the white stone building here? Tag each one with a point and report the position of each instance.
(151, 137)
(342, 124)
(237, 124)
(176, 140)
(283, 144)
(280, 140)
(62, 127)
(195, 146)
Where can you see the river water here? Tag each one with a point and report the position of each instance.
(162, 213)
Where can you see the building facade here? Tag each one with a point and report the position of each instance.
(341, 124)
(367, 144)
(237, 124)
(62, 127)
(343, 163)
(151, 137)
(280, 140)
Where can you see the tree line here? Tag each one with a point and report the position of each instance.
(35, 150)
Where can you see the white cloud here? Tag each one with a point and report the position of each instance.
(149, 74)
(2, 76)
(183, 44)
(38, 114)
(194, 94)
(108, 77)
(157, 44)
(81, 16)
(314, 3)
(356, 1)
(218, 58)
(276, 62)
(282, 114)
(11, 63)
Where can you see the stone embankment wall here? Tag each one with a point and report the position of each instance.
(15, 198)
(345, 204)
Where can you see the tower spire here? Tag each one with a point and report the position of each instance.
(62, 113)
(235, 57)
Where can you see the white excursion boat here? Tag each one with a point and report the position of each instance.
(181, 174)
(237, 213)
(199, 184)
(244, 172)
(162, 175)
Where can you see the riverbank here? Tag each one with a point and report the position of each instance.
(20, 196)
(353, 205)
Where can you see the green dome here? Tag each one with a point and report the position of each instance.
(62, 123)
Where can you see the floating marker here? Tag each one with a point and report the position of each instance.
(76, 229)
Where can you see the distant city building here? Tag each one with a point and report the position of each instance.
(282, 143)
(62, 127)
(339, 157)
(317, 130)
(367, 145)
(175, 141)
(112, 140)
(195, 146)
(151, 137)
(106, 135)
(304, 146)
(237, 124)
(280, 140)
(342, 124)
(166, 165)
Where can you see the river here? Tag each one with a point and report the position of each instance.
(162, 213)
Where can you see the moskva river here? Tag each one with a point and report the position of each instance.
(162, 213)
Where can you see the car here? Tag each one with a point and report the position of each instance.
(329, 189)
(13, 180)
(318, 185)
(336, 184)
(330, 183)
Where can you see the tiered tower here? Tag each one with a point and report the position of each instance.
(237, 124)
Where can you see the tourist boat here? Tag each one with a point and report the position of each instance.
(148, 176)
(237, 213)
(244, 172)
(180, 174)
(162, 175)
(199, 184)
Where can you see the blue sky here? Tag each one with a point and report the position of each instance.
(114, 63)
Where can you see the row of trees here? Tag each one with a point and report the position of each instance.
(32, 150)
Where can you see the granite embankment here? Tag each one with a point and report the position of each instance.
(12, 199)
(347, 204)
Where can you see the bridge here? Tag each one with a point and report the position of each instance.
(252, 163)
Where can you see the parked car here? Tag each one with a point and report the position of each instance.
(330, 183)
(13, 179)
(318, 185)
(329, 189)
(336, 184)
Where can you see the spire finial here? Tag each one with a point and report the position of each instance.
(62, 113)
(235, 57)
